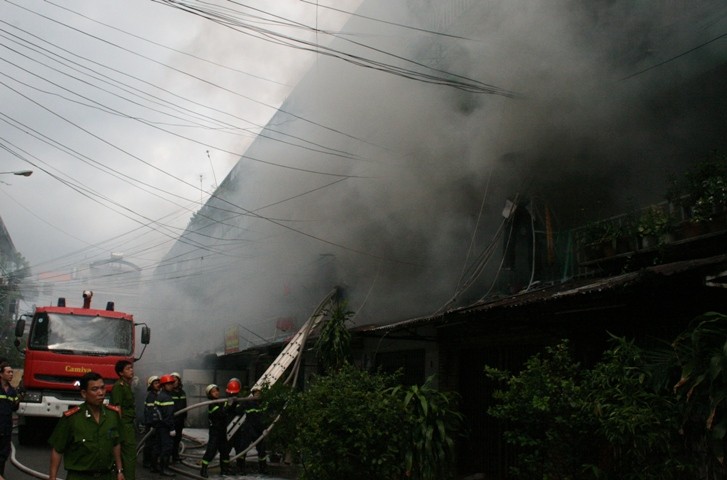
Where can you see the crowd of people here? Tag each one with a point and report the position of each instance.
(98, 440)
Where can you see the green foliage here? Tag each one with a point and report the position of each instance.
(356, 425)
(333, 347)
(568, 422)
(14, 268)
(432, 419)
(348, 425)
(275, 402)
(543, 406)
(655, 222)
(703, 188)
(637, 426)
(701, 356)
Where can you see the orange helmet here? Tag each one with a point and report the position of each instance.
(233, 386)
(166, 379)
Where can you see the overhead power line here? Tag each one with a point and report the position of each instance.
(438, 77)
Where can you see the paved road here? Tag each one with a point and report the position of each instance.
(36, 457)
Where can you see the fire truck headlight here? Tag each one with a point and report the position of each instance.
(32, 397)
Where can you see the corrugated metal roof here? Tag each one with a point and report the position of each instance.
(560, 291)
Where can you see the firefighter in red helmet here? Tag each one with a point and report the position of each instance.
(232, 410)
(165, 427)
(233, 387)
(179, 396)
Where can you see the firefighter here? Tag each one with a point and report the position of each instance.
(165, 426)
(123, 397)
(217, 440)
(179, 396)
(9, 403)
(253, 428)
(150, 418)
(86, 437)
(234, 413)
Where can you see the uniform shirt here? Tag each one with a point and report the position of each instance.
(165, 404)
(8, 404)
(149, 407)
(217, 417)
(254, 412)
(87, 446)
(123, 396)
(179, 397)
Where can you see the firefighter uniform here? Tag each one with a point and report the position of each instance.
(164, 427)
(253, 429)
(8, 404)
(123, 396)
(234, 414)
(179, 396)
(150, 419)
(217, 441)
(87, 446)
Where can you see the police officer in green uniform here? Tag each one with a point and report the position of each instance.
(123, 396)
(87, 436)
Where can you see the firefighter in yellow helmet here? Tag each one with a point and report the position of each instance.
(217, 440)
(150, 417)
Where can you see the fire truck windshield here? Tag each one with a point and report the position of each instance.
(81, 335)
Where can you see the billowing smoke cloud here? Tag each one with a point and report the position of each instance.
(390, 186)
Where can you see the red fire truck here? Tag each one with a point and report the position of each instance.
(64, 343)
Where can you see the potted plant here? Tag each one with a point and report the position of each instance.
(595, 239)
(702, 192)
(654, 227)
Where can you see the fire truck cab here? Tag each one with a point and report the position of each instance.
(63, 344)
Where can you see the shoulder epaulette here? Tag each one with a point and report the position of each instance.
(115, 408)
(71, 411)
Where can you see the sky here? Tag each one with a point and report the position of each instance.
(130, 114)
(397, 147)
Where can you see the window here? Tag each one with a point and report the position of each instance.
(80, 334)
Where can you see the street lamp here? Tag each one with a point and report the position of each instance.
(22, 173)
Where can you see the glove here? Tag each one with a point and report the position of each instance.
(172, 433)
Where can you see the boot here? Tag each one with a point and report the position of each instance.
(262, 467)
(154, 464)
(203, 471)
(225, 468)
(240, 466)
(164, 467)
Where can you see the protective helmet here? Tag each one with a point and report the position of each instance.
(151, 380)
(166, 379)
(175, 374)
(233, 386)
(209, 388)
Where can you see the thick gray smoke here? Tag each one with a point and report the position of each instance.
(385, 177)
